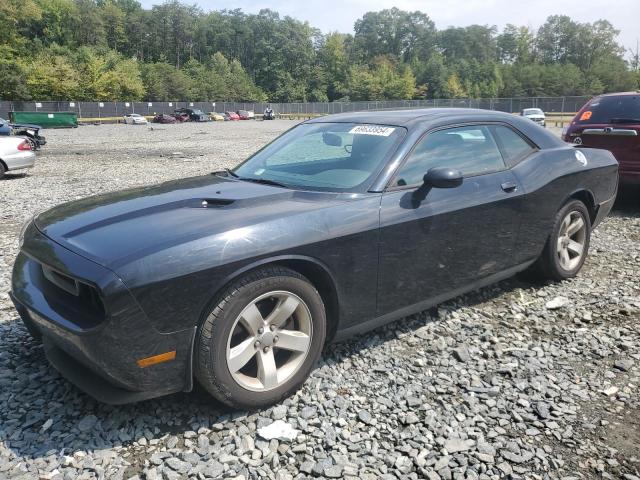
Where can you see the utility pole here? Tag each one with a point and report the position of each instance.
(635, 57)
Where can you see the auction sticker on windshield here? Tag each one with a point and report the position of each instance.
(372, 130)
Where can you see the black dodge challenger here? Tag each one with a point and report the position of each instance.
(237, 279)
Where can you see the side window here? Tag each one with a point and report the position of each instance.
(513, 146)
(470, 149)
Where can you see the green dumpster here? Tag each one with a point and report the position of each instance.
(46, 119)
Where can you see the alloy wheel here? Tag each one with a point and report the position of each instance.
(571, 240)
(269, 341)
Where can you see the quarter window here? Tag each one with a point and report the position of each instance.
(470, 149)
(514, 147)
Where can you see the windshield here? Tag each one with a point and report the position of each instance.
(324, 156)
(614, 109)
(197, 112)
(532, 111)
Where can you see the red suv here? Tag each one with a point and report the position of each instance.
(611, 122)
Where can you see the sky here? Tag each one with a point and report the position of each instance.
(340, 15)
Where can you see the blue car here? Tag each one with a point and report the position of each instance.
(5, 129)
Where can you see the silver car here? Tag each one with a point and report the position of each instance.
(15, 154)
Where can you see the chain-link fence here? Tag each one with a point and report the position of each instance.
(102, 110)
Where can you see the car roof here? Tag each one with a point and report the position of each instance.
(426, 118)
(620, 94)
(409, 117)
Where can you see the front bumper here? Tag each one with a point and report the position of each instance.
(95, 347)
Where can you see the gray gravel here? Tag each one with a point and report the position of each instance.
(516, 380)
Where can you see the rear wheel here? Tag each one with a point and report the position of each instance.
(2, 170)
(262, 338)
(566, 249)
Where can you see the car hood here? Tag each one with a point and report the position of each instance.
(536, 116)
(121, 227)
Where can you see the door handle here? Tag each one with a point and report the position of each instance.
(509, 187)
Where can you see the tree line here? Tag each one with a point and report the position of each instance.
(117, 50)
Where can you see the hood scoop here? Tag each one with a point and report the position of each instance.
(215, 202)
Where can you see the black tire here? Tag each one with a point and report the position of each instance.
(2, 170)
(210, 355)
(549, 266)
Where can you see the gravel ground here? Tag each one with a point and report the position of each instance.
(514, 381)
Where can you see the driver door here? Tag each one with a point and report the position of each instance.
(455, 236)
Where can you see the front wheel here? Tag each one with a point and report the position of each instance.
(568, 245)
(261, 340)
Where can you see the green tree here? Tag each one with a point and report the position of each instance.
(113, 19)
(394, 32)
(52, 77)
(334, 65)
(121, 81)
(163, 82)
(382, 82)
(109, 48)
(89, 24)
(13, 79)
(434, 75)
(56, 25)
(454, 87)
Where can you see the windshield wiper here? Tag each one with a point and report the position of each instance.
(264, 181)
(226, 171)
(625, 120)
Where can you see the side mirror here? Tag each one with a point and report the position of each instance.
(332, 139)
(438, 177)
(443, 177)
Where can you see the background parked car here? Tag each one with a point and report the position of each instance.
(246, 114)
(269, 113)
(5, 129)
(193, 114)
(181, 116)
(135, 119)
(216, 117)
(231, 116)
(535, 114)
(30, 132)
(15, 154)
(611, 122)
(164, 118)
